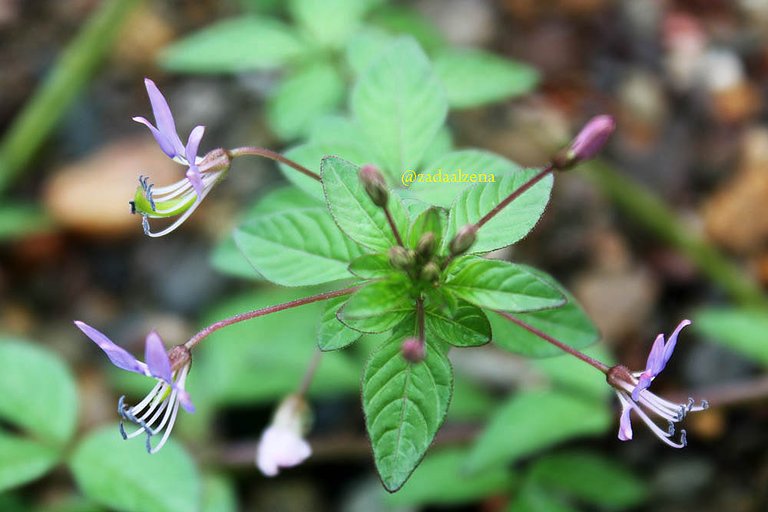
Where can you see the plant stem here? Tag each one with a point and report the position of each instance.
(392, 225)
(197, 338)
(651, 213)
(420, 318)
(559, 344)
(272, 155)
(61, 86)
(310, 373)
(514, 195)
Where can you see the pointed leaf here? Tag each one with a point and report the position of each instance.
(329, 22)
(23, 461)
(302, 97)
(37, 391)
(404, 405)
(509, 225)
(495, 284)
(741, 330)
(475, 77)
(432, 220)
(568, 323)
(297, 248)
(121, 475)
(534, 420)
(467, 326)
(400, 105)
(331, 333)
(241, 44)
(379, 306)
(353, 210)
(372, 266)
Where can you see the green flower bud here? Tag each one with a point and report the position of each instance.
(463, 240)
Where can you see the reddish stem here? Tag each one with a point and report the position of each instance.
(559, 344)
(310, 373)
(514, 195)
(392, 225)
(256, 151)
(197, 338)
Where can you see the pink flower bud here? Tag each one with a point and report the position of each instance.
(463, 239)
(413, 350)
(587, 143)
(374, 184)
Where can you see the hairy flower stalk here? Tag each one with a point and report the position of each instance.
(156, 413)
(376, 187)
(632, 387)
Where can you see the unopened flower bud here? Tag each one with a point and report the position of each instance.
(400, 257)
(375, 185)
(587, 143)
(179, 356)
(282, 444)
(425, 247)
(413, 350)
(431, 272)
(216, 160)
(463, 239)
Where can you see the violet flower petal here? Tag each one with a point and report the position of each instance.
(165, 144)
(193, 174)
(116, 354)
(184, 399)
(163, 116)
(671, 342)
(644, 382)
(157, 358)
(625, 422)
(655, 356)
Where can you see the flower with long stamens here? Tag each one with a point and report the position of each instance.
(183, 197)
(282, 444)
(633, 393)
(156, 413)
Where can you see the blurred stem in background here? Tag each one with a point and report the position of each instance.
(52, 99)
(650, 212)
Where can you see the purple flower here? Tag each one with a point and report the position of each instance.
(282, 444)
(183, 197)
(157, 411)
(166, 136)
(632, 390)
(592, 138)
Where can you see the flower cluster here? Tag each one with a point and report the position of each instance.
(633, 393)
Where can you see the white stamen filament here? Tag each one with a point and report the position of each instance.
(626, 401)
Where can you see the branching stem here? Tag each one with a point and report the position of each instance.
(272, 155)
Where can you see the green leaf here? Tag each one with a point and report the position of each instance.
(353, 210)
(123, 476)
(400, 105)
(23, 461)
(470, 401)
(372, 266)
(440, 479)
(496, 284)
(331, 333)
(297, 248)
(440, 145)
(431, 220)
(218, 495)
(404, 20)
(533, 498)
(534, 420)
(404, 405)
(474, 77)
(310, 155)
(591, 478)
(37, 391)
(329, 22)
(379, 306)
(228, 259)
(509, 225)
(307, 94)
(241, 44)
(569, 373)
(265, 358)
(465, 327)
(18, 220)
(467, 161)
(567, 323)
(365, 47)
(742, 330)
